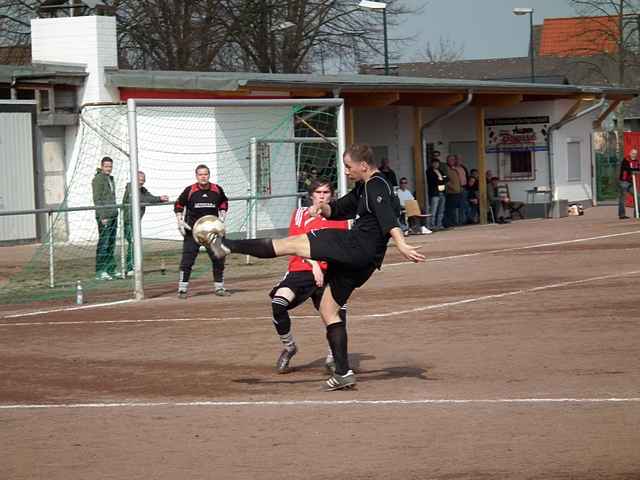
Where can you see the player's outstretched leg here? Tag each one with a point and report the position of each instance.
(262, 247)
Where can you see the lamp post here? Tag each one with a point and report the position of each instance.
(380, 6)
(528, 11)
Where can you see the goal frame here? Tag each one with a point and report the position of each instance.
(134, 103)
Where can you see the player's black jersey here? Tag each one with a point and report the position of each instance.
(200, 201)
(372, 206)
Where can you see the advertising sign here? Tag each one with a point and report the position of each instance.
(516, 134)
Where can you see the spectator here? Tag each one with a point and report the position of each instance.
(489, 175)
(474, 173)
(473, 199)
(389, 174)
(104, 196)
(436, 186)
(405, 194)
(145, 198)
(453, 193)
(499, 202)
(464, 200)
(625, 181)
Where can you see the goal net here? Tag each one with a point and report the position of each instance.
(260, 152)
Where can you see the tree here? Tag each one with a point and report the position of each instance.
(230, 34)
(318, 30)
(610, 44)
(446, 50)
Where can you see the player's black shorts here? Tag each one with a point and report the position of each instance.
(349, 266)
(302, 284)
(338, 246)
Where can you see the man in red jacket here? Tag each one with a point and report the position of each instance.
(305, 277)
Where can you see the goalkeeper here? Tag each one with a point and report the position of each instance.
(197, 200)
(352, 255)
(304, 278)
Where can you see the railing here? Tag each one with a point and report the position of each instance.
(251, 222)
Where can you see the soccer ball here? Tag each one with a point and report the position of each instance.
(207, 229)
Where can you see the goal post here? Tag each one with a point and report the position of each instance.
(255, 189)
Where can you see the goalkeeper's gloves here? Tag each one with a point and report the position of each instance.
(222, 215)
(182, 226)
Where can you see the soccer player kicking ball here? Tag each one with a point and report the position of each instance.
(352, 255)
(305, 277)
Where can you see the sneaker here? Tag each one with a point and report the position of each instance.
(222, 292)
(131, 273)
(623, 217)
(425, 231)
(104, 276)
(341, 382)
(117, 275)
(182, 294)
(218, 248)
(282, 365)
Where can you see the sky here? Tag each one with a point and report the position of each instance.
(486, 28)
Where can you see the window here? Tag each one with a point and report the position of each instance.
(516, 165)
(574, 161)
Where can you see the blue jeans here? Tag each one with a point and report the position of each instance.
(437, 210)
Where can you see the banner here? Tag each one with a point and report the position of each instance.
(516, 134)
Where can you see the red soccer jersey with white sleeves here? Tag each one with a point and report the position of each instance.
(302, 223)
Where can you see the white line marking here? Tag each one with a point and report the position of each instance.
(515, 249)
(68, 309)
(437, 259)
(370, 315)
(315, 403)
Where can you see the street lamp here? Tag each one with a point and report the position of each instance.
(380, 6)
(528, 11)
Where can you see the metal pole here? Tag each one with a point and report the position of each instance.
(135, 200)
(52, 282)
(533, 74)
(342, 146)
(634, 177)
(252, 220)
(386, 47)
(123, 248)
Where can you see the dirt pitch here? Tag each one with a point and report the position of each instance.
(512, 353)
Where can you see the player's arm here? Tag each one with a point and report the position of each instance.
(223, 205)
(380, 203)
(178, 209)
(342, 209)
(318, 274)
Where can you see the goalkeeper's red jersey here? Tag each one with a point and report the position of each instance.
(301, 223)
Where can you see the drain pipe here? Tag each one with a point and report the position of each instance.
(558, 126)
(423, 137)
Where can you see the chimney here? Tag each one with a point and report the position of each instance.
(90, 41)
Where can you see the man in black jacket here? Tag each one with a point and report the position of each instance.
(352, 255)
(625, 181)
(436, 186)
